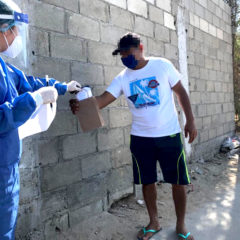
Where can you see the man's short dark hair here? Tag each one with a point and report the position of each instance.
(126, 42)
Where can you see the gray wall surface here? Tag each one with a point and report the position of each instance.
(68, 176)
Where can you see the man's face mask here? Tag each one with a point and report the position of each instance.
(15, 48)
(130, 61)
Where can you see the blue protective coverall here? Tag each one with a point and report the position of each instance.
(16, 107)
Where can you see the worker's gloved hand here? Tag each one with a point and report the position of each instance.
(48, 94)
(74, 105)
(73, 87)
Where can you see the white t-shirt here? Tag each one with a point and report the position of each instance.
(150, 97)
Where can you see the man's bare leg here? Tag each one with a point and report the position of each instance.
(180, 201)
(150, 197)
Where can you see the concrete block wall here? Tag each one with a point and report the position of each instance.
(68, 176)
(210, 73)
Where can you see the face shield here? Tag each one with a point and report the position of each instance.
(17, 23)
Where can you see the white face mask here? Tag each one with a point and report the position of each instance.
(15, 48)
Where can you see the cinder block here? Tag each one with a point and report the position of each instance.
(95, 164)
(174, 38)
(48, 151)
(39, 42)
(207, 121)
(203, 3)
(218, 86)
(204, 26)
(46, 16)
(119, 117)
(139, 7)
(194, 45)
(164, 4)
(121, 18)
(151, 1)
(200, 10)
(208, 16)
(162, 33)
(211, 109)
(219, 33)
(101, 53)
(81, 214)
(190, 58)
(195, 97)
(204, 73)
(78, 145)
(60, 175)
(202, 110)
(86, 192)
(71, 5)
(199, 60)
(220, 131)
(29, 184)
(194, 71)
(156, 14)
(230, 116)
(96, 9)
(29, 218)
(201, 85)
(210, 86)
(68, 48)
(227, 127)
(64, 123)
(211, 6)
(194, 20)
(110, 73)
(52, 202)
(55, 68)
(29, 157)
(169, 21)
(171, 52)
(216, 65)
(204, 136)
(199, 122)
(208, 63)
(213, 97)
(84, 27)
(144, 26)
(119, 3)
(155, 48)
(212, 30)
(60, 222)
(121, 156)
(199, 35)
(219, 12)
(87, 74)
(120, 179)
(110, 34)
(212, 133)
(109, 139)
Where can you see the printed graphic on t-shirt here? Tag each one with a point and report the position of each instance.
(144, 92)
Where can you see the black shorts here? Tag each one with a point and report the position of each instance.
(169, 151)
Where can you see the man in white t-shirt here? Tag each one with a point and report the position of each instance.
(148, 85)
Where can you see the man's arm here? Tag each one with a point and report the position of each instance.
(103, 100)
(183, 99)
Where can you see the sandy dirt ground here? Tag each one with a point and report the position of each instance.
(126, 216)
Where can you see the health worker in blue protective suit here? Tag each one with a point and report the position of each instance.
(20, 96)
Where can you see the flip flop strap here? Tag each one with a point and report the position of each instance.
(150, 230)
(185, 237)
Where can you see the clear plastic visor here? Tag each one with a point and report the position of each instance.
(18, 25)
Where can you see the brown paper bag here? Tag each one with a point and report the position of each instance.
(89, 115)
